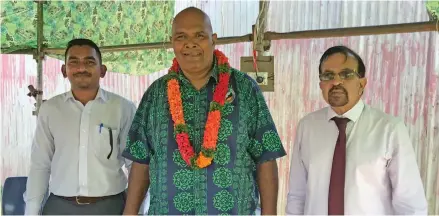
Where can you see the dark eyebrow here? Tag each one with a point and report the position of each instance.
(87, 58)
(198, 32)
(328, 71)
(348, 70)
(90, 58)
(344, 69)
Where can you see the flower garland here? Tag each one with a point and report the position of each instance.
(206, 155)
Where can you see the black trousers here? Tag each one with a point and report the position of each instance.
(110, 206)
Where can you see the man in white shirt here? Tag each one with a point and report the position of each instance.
(360, 162)
(78, 142)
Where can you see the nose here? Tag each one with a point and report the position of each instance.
(337, 80)
(190, 45)
(81, 67)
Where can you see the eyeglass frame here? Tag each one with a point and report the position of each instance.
(338, 74)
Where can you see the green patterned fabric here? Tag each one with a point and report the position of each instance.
(433, 9)
(247, 137)
(108, 23)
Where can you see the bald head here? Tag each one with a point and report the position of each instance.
(193, 41)
(190, 14)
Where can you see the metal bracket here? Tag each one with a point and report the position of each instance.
(265, 77)
(33, 92)
(39, 55)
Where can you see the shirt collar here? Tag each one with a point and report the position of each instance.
(102, 95)
(353, 114)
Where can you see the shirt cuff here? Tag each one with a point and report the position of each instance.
(32, 208)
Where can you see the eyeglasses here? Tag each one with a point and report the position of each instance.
(344, 75)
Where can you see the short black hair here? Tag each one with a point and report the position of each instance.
(361, 70)
(83, 42)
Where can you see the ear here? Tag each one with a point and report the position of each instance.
(363, 83)
(103, 71)
(321, 85)
(63, 71)
(214, 39)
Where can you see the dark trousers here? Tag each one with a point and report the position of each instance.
(113, 205)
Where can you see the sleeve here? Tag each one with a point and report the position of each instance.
(43, 148)
(407, 188)
(138, 149)
(265, 142)
(297, 178)
(128, 116)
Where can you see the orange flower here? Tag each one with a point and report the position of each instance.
(175, 103)
(211, 130)
(203, 161)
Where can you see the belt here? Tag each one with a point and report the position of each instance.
(82, 200)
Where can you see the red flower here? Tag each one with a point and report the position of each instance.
(184, 147)
(174, 67)
(222, 88)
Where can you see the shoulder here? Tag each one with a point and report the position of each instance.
(246, 87)
(158, 86)
(53, 102)
(314, 117)
(124, 102)
(382, 120)
(155, 92)
(243, 80)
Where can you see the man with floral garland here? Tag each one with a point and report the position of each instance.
(203, 140)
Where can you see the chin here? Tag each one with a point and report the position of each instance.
(192, 67)
(83, 85)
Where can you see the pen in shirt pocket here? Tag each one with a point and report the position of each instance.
(100, 127)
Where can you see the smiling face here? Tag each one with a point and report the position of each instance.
(340, 83)
(83, 68)
(193, 41)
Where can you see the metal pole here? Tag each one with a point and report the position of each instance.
(355, 31)
(147, 46)
(262, 25)
(323, 33)
(39, 55)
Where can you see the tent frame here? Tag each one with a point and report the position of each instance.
(40, 52)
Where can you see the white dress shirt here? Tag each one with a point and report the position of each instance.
(71, 148)
(382, 176)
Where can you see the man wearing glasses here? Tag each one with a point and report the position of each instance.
(349, 158)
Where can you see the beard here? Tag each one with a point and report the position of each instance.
(338, 96)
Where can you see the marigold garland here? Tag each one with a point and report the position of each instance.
(210, 139)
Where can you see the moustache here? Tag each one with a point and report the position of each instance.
(79, 74)
(337, 88)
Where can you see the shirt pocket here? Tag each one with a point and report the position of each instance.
(106, 145)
